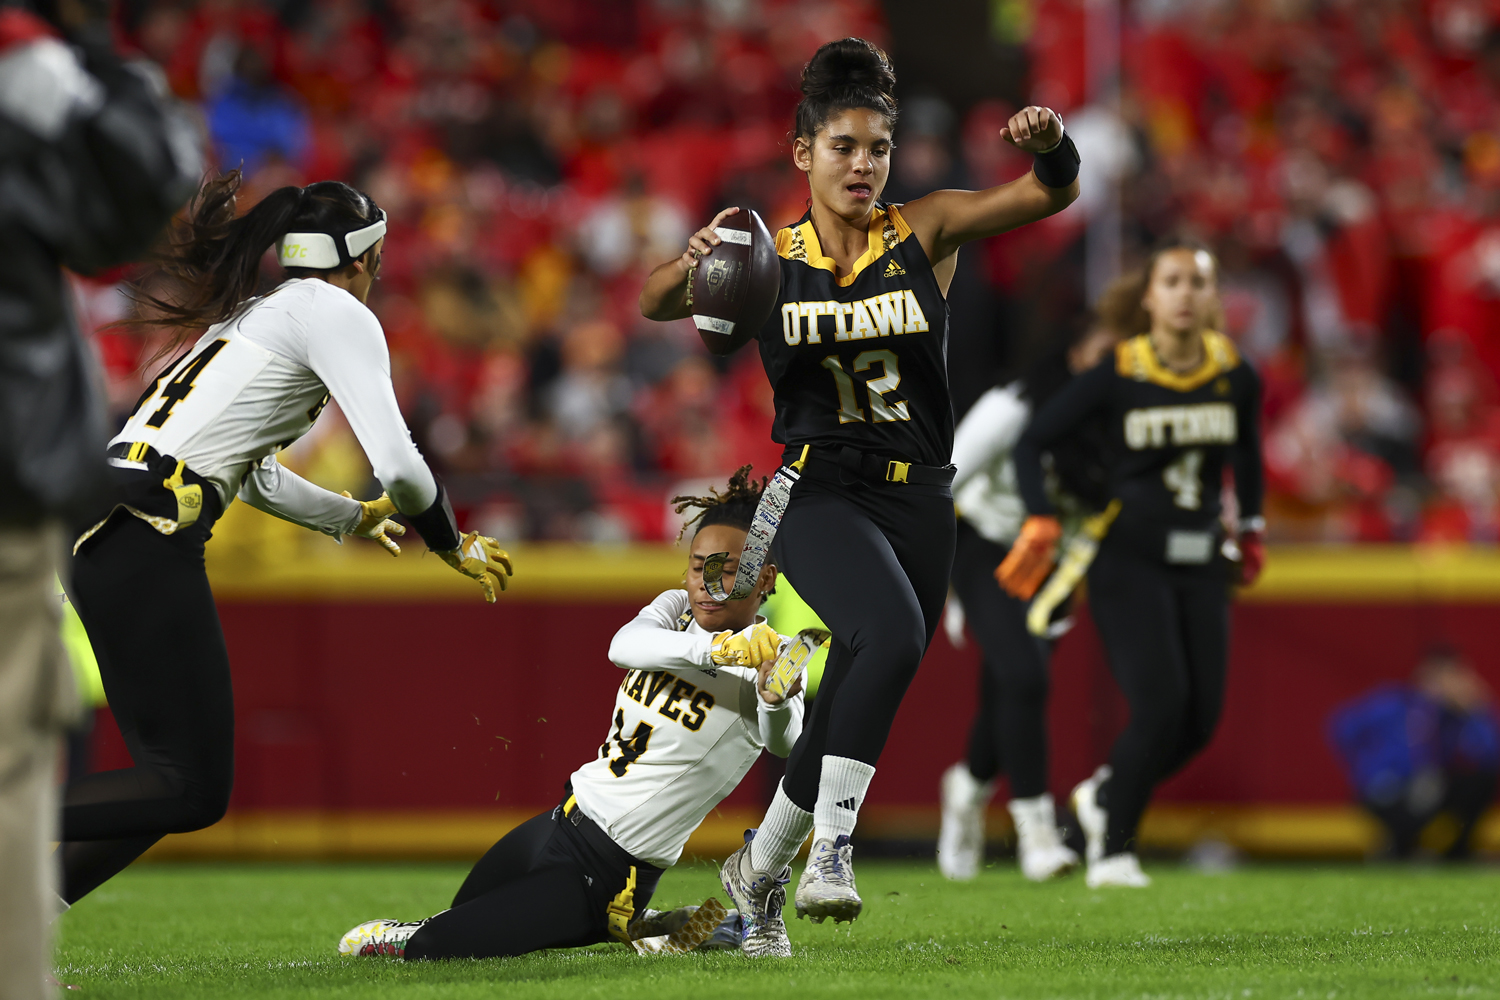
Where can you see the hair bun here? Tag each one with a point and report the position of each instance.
(849, 64)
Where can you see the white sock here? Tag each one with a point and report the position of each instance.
(841, 791)
(780, 835)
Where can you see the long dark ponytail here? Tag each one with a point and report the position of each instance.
(211, 259)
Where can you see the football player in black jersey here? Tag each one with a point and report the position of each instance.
(1178, 402)
(855, 352)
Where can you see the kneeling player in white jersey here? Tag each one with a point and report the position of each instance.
(205, 432)
(692, 715)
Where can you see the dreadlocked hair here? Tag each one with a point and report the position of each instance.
(734, 507)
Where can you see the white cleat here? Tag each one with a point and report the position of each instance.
(960, 846)
(826, 888)
(1039, 846)
(1122, 869)
(1091, 816)
(379, 937)
(759, 896)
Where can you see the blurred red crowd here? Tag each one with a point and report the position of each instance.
(536, 158)
(1343, 157)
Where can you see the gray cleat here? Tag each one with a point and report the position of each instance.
(759, 896)
(826, 888)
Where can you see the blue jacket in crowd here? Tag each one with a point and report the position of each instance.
(1395, 732)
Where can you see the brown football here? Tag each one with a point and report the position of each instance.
(735, 287)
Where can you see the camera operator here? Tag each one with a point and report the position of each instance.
(94, 160)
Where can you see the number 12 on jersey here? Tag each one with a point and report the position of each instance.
(881, 411)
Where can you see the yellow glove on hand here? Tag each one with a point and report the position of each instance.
(374, 522)
(746, 648)
(483, 559)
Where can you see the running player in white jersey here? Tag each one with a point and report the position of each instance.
(691, 716)
(205, 432)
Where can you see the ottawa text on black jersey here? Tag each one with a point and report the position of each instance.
(1171, 434)
(860, 361)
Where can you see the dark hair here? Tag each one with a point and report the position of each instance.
(848, 73)
(1135, 288)
(214, 255)
(734, 507)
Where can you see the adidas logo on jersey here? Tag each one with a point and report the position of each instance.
(848, 804)
(893, 269)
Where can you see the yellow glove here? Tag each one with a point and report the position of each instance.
(746, 648)
(483, 559)
(374, 522)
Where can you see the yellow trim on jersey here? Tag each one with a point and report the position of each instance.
(1136, 359)
(887, 229)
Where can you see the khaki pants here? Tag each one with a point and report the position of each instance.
(37, 701)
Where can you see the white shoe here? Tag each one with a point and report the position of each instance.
(1039, 846)
(960, 846)
(1122, 869)
(379, 937)
(1091, 816)
(826, 888)
(759, 897)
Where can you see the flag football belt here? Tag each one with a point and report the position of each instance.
(844, 465)
(163, 492)
(850, 463)
(639, 875)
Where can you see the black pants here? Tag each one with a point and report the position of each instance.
(1010, 728)
(145, 601)
(546, 884)
(873, 562)
(1166, 632)
(1466, 795)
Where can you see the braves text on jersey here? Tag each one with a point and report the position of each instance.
(860, 361)
(682, 735)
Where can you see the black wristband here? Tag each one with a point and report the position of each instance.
(1058, 167)
(437, 525)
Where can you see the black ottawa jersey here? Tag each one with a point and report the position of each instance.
(1170, 434)
(860, 361)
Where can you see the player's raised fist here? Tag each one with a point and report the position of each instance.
(1033, 129)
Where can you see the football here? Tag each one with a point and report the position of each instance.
(735, 287)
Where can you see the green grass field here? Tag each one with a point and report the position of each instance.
(167, 930)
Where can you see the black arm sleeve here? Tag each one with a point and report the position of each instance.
(1073, 404)
(1249, 476)
(437, 525)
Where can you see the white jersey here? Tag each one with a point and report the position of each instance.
(984, 481)
(683, 734)
(255, 383)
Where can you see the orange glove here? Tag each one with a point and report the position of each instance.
(1031, 558)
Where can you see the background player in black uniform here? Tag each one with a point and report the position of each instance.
(1009, 733)
(855, 352)
(1178, 401)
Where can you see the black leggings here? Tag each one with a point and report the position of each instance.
(145, 601)
(873, 563)
(546, 884)
(1010, 727)
(1166, 632)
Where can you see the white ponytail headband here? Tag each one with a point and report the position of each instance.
(320, 251)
